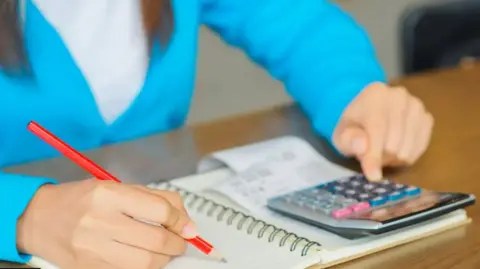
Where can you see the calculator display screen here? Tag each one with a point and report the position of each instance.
(426, 201)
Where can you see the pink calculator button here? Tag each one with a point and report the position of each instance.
(360, 206)
(341, 213)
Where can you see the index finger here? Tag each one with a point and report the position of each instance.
(371, 161)
(155, 209)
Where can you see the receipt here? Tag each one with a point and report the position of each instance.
(286, 165)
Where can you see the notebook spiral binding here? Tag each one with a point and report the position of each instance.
(200, 203)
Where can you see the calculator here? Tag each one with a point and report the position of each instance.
(355, 207)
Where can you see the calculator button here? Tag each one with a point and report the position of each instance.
(369, 187)
(326, 209)
(320, 208)
(340, 213)
(299, 200)
(315, 191)
(399, 186)
(385, 182)
(380, 190)
(350, 201)
(336, 188)
(412, 191)
(378, 201)
(395, 196)
(314, 195)
(343, 202)
(350, 192)
(339, 199)
(355, 183)
(360, 207)
(311, 195)
(364, 197)
(322, 200)
(327, 206)
(303, 198)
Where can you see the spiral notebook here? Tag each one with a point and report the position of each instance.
(230, 213)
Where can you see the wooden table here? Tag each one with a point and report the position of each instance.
(450, 164)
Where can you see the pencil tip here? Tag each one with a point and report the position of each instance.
(216, 255)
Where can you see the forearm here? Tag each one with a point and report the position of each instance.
(330, 66)
(321, 54)
(16, 191)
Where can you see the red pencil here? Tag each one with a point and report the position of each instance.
(101, 174)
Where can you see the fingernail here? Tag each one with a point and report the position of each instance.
(190, 230)
(358, 145)
(375, 175)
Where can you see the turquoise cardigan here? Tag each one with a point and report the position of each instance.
(320, 54)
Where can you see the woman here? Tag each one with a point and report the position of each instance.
(97, 72)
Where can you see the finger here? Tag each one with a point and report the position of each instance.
(380, 214)
(413, 125)
(396, 121)
(154, 239)
(393, 162)
(376, 126)
(173, 197)
(127, 257)
(423, 138)
(153, 208)
(351, 141)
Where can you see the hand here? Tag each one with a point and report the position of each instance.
(384, 126)
(94, 224)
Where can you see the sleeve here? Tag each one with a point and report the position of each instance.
(16, 191)
(323, 57)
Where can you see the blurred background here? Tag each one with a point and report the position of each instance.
(411, 36)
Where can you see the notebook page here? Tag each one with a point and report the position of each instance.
(271, 168)
(211, 212)
(240, 249)
(202, 185)
(241, 252)
(207, 183)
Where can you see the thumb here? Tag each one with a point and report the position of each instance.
(352, 141)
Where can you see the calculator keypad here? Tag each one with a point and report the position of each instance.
(347, 196)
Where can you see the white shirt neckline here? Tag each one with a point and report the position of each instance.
(107, 41)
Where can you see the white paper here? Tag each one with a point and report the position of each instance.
(241, 158)
(272, 168)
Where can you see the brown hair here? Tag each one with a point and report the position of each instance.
(157, 18)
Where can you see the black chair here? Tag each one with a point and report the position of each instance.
(440, 35)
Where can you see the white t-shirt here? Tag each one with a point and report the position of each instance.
(106, 39)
